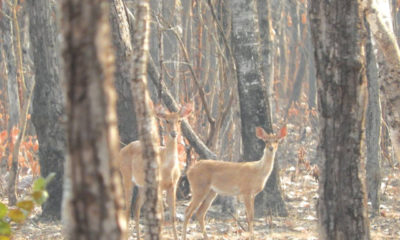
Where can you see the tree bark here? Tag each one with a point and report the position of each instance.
(254, 103)
(146, 122)
(48, 101)
(373, 128)
(390, 86)
(339, 38)
(267, 44)
(122, 40)
(93, 201)
(7, 34)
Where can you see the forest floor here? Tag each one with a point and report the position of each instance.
(300, 193)
(298, 161)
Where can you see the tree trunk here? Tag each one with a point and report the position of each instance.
(373, 128)
(339, 40)
(93, 202)
(390, 87)
(7, 34)
(312, 81)
(267, 44)
(146, 122)
(48, 101)
(254, 103)
(122, 40)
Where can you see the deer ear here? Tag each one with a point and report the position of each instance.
(186, 110)
(282, 132)
(261, 134)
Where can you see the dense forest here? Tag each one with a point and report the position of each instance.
(192, 119)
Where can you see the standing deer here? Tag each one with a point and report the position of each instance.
(131, 166)
(208, 178)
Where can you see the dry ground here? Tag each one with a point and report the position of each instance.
(300, 196)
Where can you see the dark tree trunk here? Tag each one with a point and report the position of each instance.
(373, 129)
(48, 101)
(254, 103)
(122, 40)
(93, 201)
(339, 39)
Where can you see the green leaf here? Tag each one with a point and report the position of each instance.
(16, 215)
(4, 237)
(39, 184)
(3, 210)
(5, 229)
(40, 196)
(27, 205)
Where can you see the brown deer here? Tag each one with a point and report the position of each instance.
(208, 178)
(131, 166)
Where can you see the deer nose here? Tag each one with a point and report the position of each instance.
(173, 134)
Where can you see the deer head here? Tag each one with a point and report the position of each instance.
(172, 119)
(271, 140)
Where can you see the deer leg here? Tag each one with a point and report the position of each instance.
(249, 204)
(171, 201)
(197, 199)
(138, 205)
(202, 211)
(128, 189)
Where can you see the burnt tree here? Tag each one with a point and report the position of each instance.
(339, 39)
(48, 101)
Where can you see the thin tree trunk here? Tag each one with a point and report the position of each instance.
(312, 80)
(390, 87)
(339, 40)
(146, 122)
(23, 105)
(373, 129)
(93, 200)
(267, 44)
(13, 180)
(7, 32)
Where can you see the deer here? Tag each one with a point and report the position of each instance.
(131, 166)
(208, 178)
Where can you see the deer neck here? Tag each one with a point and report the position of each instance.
(171, 151)
(267, 161)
